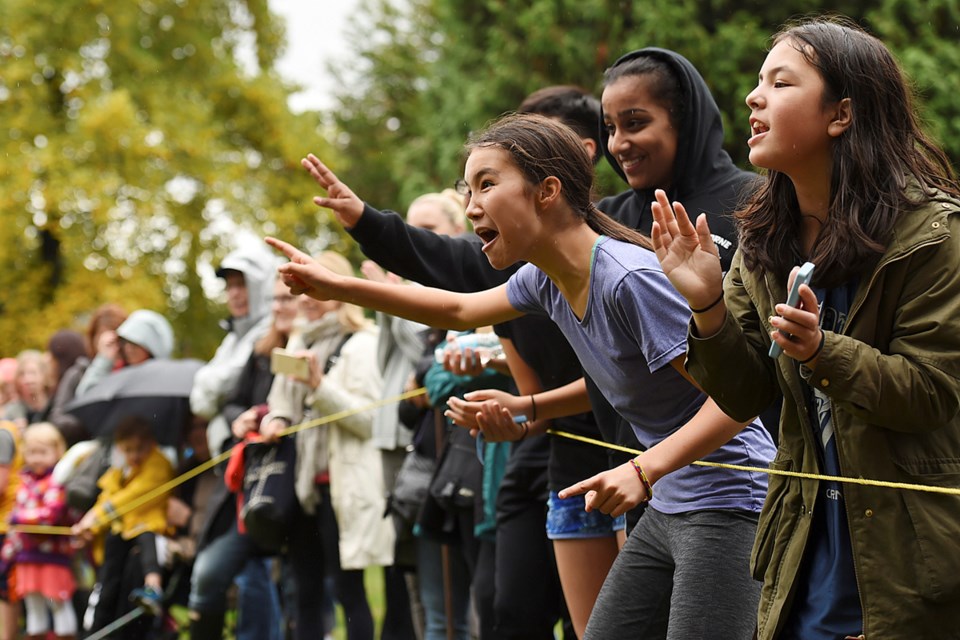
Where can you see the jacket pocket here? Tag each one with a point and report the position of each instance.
(771, 517)
(934, 517)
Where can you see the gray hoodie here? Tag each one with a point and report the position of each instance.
(144, 328)
(215, 380)
(150, 330)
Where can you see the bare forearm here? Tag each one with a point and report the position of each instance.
(433, 307)
(706, 432)
(567, 400)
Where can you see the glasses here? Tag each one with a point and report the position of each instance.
(287, 299)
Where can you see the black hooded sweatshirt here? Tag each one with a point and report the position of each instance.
(705, 180)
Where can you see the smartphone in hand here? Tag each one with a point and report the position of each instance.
(804, 275)
(285, 362)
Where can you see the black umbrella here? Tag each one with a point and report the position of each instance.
(158, 390)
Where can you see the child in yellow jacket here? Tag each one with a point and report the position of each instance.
(133, 530)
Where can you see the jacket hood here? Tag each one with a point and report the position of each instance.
(149, 330)
(259, 268)
(705, 178)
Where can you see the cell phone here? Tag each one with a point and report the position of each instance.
(804, 276)
(285, 362)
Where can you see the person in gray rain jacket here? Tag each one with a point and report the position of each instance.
(249, 273)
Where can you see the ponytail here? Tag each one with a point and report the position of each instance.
(607, 226)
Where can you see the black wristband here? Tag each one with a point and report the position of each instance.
(823, 337)
(526, 430)
(533, 409)
(709, 306)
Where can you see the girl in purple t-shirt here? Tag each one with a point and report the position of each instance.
(529, 180)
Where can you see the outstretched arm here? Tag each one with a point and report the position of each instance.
(433, 307)
(433, 260)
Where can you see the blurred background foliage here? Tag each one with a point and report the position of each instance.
(134, 145)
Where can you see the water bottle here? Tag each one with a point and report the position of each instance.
(485, 346)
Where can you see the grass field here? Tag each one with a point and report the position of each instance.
(373, 580)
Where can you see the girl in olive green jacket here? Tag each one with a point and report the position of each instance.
(870, 370)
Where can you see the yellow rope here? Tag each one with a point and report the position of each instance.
(777, 472)
(192, 473)
(165, 488)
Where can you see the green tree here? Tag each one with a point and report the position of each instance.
(133, 146)
(425, 75)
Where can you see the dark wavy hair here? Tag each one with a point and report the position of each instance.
(541, 147)
(874, 162)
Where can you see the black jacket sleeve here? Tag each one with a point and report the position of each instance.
(433, 260)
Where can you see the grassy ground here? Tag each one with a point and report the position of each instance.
(373, 579)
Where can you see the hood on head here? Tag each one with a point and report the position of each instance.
(150, 330)
(259, 268)
(700, 139)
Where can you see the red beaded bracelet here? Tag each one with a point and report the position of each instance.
(643, 477)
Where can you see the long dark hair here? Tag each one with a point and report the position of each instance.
(874, 162)
(541, 147)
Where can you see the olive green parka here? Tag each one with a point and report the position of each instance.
(893, 376)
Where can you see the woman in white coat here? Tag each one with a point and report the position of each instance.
(339, 476)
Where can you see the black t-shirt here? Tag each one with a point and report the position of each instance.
(544, 348)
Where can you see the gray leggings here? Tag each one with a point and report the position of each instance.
(681, 576)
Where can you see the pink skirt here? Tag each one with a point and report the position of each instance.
(53, 581)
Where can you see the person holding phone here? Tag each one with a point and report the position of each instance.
(340, 528)
(870, 371)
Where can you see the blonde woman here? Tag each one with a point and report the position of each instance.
(339, 477)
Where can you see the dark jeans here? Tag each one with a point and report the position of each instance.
(522, 556)
(231, 557)
(314, 552)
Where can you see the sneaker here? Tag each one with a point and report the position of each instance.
(148, 599)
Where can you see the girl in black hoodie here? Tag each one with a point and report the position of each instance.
(661, 129)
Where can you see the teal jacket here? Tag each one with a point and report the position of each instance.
(893, 376)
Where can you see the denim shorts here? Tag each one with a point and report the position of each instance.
(567, 520)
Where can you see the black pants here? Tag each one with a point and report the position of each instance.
(314, 553)
(125, 563)
(517, 585)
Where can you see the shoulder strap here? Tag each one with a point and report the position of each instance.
(335, 354)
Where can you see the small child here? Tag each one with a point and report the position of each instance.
(145, 469)
(41, 562)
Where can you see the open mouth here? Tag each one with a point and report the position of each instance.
(487, 235)
(757, 127)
